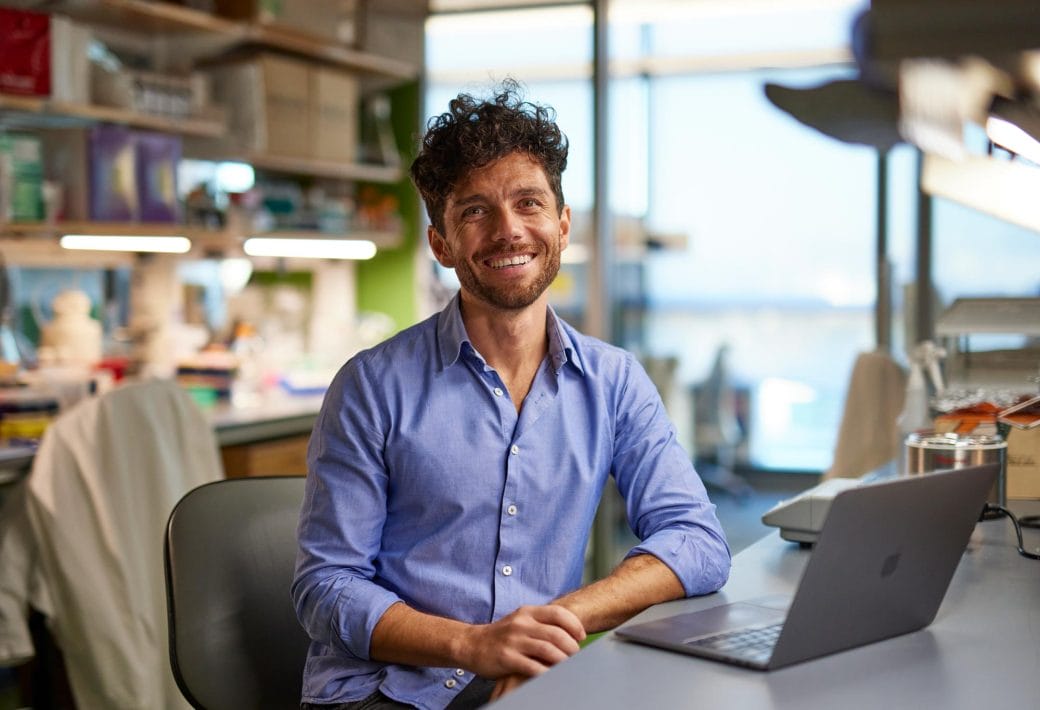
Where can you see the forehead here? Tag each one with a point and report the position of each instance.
(516, 171)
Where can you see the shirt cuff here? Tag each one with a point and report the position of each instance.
(701, 562)
(361, 605)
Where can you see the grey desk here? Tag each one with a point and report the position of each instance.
(982, 651)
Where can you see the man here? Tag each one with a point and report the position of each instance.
(456, 468)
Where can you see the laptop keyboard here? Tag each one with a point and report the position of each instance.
(754, 644)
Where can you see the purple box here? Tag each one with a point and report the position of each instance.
(157, 158)
(113, 175)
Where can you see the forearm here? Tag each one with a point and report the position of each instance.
(637, 583)
(409, 637)
(526, 642)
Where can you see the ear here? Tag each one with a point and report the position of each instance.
(440, 248)
(565, 227)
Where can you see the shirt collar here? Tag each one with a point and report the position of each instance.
(561, 347)
(451, 334)
(452, 338)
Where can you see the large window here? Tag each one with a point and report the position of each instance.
(768, 226)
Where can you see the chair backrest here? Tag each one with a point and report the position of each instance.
(230, 550)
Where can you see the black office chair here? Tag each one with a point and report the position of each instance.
(230, 549)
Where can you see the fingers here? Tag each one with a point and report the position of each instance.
(543, 631)
(562, 617)
(545, 653)
(527, 642)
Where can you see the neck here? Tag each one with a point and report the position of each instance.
(506, 337)
(514, 342)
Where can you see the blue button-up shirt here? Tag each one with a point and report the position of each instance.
(426, 486)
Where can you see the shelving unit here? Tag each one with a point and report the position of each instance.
(193, 36)
(199, 33)
(143, 16)
(22, 111)
(361, 172)
(203, 239)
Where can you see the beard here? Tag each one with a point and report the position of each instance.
(514, 296)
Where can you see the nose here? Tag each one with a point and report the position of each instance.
(508, 225)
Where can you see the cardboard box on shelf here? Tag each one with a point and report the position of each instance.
(70, 65)
(334, 100)
(267, 98)
(335, 20)
(1023, 463)
(25, 52)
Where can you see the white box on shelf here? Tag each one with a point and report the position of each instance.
(70, 64)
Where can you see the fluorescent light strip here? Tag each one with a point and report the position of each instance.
(310, 248)
(106, 242)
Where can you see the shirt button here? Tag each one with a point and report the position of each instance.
(459, 672)
(511, 510)
(498, 391)
(514, 449)
(507, 570)
(450, 683)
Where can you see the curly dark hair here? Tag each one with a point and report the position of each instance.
(474, 133)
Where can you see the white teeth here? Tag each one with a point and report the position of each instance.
(509, 261)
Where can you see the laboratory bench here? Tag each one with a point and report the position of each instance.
(982, 650)
(268, 438)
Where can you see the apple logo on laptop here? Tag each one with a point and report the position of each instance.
(889, 565)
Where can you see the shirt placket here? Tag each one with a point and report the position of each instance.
(509, 590)
(507, 566)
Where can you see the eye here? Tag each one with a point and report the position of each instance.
(530, 203)
(473, 211)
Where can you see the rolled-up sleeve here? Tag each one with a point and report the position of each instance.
(342, 518)
(666, 503)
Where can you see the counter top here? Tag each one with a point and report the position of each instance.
(981, 651)
(273, 417)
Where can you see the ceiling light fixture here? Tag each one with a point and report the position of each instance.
(169, 244)
(310, 248)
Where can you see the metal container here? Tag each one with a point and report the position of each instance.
(928, 451)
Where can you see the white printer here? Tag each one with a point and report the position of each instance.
(800, 518)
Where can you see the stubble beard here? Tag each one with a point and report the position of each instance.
(511, 298)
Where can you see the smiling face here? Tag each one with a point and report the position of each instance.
(503, 233)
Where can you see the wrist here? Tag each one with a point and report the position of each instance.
(461, 645)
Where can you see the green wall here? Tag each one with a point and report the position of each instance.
(387, 282)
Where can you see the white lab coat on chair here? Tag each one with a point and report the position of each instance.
(103, 482)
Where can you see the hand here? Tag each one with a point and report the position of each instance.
(526, 642)
(506, 684)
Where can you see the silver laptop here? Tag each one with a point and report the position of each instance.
(880, 568)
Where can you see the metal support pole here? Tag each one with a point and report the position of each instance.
(600, 300)
(883, 305)
(923, 323)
